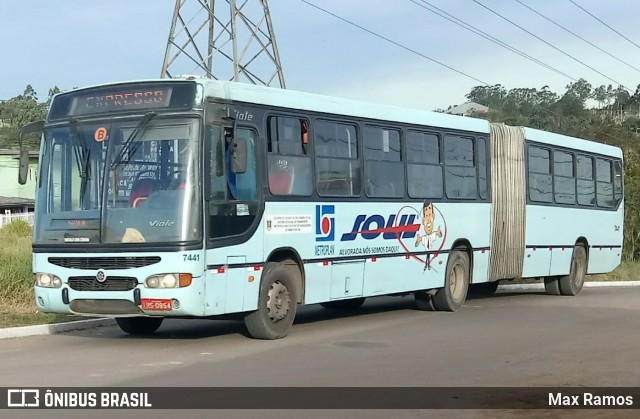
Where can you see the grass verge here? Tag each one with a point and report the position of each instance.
(627, 271)
(17, 307)
(17, 319)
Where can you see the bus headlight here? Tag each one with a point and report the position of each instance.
(47, 280)
(169, 280)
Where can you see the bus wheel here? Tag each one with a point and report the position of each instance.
(277, 304)
(552, 285)
(350, 304)
(456, 283)
(139, 325)
(572, 284)
(484, 289)
(423, 301)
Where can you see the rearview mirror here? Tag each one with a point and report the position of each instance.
(31, 128)
(23, 167)
(239, 155)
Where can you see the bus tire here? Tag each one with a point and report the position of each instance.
(139, 325)
(456, 283)
(572, 284)
(484, 289)
(423, 301)
(552, 285)
(277, 303)
(350, 304)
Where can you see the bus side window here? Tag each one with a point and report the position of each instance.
(617, 180)
(289, 166)
(460, 176)
(232, 197)
(337, 160)
(604, 184)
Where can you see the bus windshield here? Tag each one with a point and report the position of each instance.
(130, 181)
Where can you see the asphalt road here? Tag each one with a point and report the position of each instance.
(520, 339)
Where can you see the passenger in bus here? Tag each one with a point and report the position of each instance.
(428, 218)
(281, 178)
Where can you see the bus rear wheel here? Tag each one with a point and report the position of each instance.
(456, 283)
(350, 304)
(277, 303)
(572, 284)
(139, 325)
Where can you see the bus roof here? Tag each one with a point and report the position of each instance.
(249, 93)
(571, 142)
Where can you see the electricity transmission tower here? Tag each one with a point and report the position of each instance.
(227, 40)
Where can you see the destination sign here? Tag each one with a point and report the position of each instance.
(127, 99)
(123, 98)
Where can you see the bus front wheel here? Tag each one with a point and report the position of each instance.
(139, 325)
(456, 283)
(277, 303)
(572, 284)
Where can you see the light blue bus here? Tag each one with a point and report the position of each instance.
(195, 198)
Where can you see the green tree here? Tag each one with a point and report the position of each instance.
(600, 95)
(17, 112)
(490, 96)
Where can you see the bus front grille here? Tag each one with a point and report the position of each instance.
(119, 262)
(104, 307)
(112, 283)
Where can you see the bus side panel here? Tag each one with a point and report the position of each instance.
(605, 243)
(538, 237)
(553, 232)
(318, 282)
(233, 276)
(389, 275)
(387, 240)
(480, 266)
(465, 221)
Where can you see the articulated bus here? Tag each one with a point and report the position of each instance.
(195, 198)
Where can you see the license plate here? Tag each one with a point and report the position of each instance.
(156, 304)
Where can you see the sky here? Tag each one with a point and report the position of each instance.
(76, 43)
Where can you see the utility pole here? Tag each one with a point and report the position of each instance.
(231, 40)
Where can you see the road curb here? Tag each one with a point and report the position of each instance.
(50, 329)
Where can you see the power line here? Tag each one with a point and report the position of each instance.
(487, 36)
(393, 42)
(551, 45)
(577, 36)
(549, 111)
(599, 20)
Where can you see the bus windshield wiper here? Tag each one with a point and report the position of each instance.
(79, 148)
(125, 146)
(85, 175)
(81, 152)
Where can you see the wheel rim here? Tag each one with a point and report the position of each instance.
(456, 282)
(278, 301)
